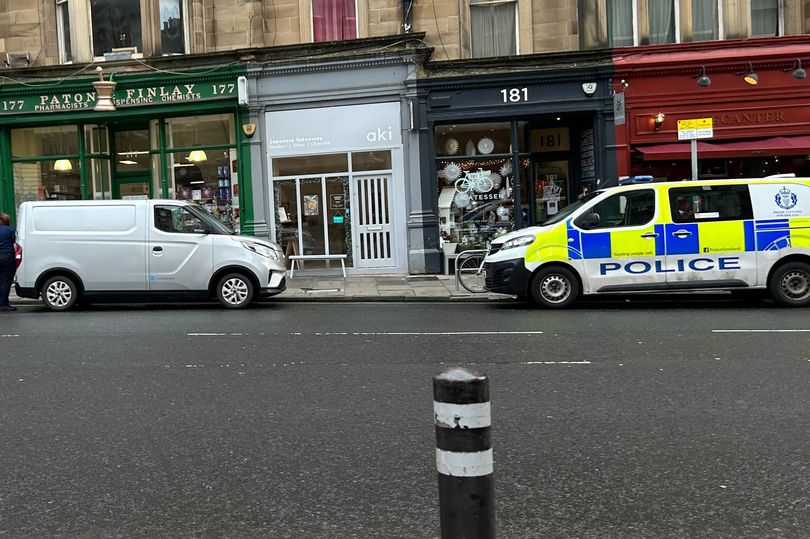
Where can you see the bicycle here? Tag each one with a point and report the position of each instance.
(479, 182)
(470, 271)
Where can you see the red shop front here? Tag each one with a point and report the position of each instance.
(758, 129)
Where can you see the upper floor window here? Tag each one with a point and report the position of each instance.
(765, 18)
(621, 23)
(63, 32)
(661, 18)
(116, 24)
(334, 20)
(705, 20)
(493, 27)
(172, 34)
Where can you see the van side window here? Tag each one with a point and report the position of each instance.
(710, 203)
(176, 220)
(630, 208)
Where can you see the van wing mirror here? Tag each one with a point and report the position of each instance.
(202, 228)
(589, 221)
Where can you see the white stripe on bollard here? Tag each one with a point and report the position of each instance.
(454, 464)
(462, 416)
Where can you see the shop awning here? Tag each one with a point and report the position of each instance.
(775, 146)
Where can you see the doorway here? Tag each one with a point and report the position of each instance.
(313, 217)
(132, 170)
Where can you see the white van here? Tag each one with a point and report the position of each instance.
(741, 234)
(139, 249)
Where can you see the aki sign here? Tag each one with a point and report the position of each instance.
(123, 97)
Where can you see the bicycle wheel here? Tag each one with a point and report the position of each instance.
(471, 274)
(463, 185)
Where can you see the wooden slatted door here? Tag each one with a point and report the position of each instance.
(374, 238)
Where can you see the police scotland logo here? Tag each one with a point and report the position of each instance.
(786, 199)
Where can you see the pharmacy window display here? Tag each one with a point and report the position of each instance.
(474, 166)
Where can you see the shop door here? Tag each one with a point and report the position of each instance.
(373, 241)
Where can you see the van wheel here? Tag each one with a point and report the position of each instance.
(554, 288)
(60, 293)
(790, 284)
(235, 291)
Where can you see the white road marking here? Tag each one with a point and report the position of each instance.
(9, 335)
(556, 363)
(761, 331)
(378, 333)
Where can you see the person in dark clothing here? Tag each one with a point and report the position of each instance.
(7, 264)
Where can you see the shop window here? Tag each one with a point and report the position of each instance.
(202, 164)
(621, 22)
(662, 18)
(766, 18)
(44, 141)
(63, 32)
(366, 161)
(708, 204)
(333, 20)
(493, 28)
(705, 20)
(172, 32)
(132, 150)
(311, 164)
(474, 139)
(116, 25)
(45, 180)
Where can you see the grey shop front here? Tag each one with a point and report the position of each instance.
(510, 151)
(339, 161)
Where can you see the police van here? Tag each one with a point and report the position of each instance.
(742, 234)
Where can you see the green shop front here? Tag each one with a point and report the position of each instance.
(170, 137)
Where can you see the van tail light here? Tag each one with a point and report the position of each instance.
(17, 255)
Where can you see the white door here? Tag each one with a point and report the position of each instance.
(372, 232)
(181, 254)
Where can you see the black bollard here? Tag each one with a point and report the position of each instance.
(464, 455)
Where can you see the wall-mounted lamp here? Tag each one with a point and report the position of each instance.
(659, 120)
(621, 86)
(798, 71)
(703, 79)
(750, 76)
(249, 130)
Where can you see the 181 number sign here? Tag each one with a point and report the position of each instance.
(515, 95)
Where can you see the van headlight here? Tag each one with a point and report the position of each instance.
(518, 242)
(261, 250)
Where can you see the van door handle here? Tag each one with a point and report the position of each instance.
(650, 235)
(157, 249)
(681, 233)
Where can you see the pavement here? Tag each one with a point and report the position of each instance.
(335, 288)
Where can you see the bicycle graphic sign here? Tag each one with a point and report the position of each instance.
(479, 181)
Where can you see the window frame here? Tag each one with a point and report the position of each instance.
(721, 31)
(64, 40)
(468, 5)
(746, 208)
(633, 14)
(311, 21)
(589, 210)
(780, 20)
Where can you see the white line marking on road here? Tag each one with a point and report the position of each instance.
(9, 335)
(556, 363)
(379, 333)
(761, 331)
(216, 334)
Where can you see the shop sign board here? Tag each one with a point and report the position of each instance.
(165, 94)
(695, 129)
(319, 130)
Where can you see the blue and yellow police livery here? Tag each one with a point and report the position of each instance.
(691, 235)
